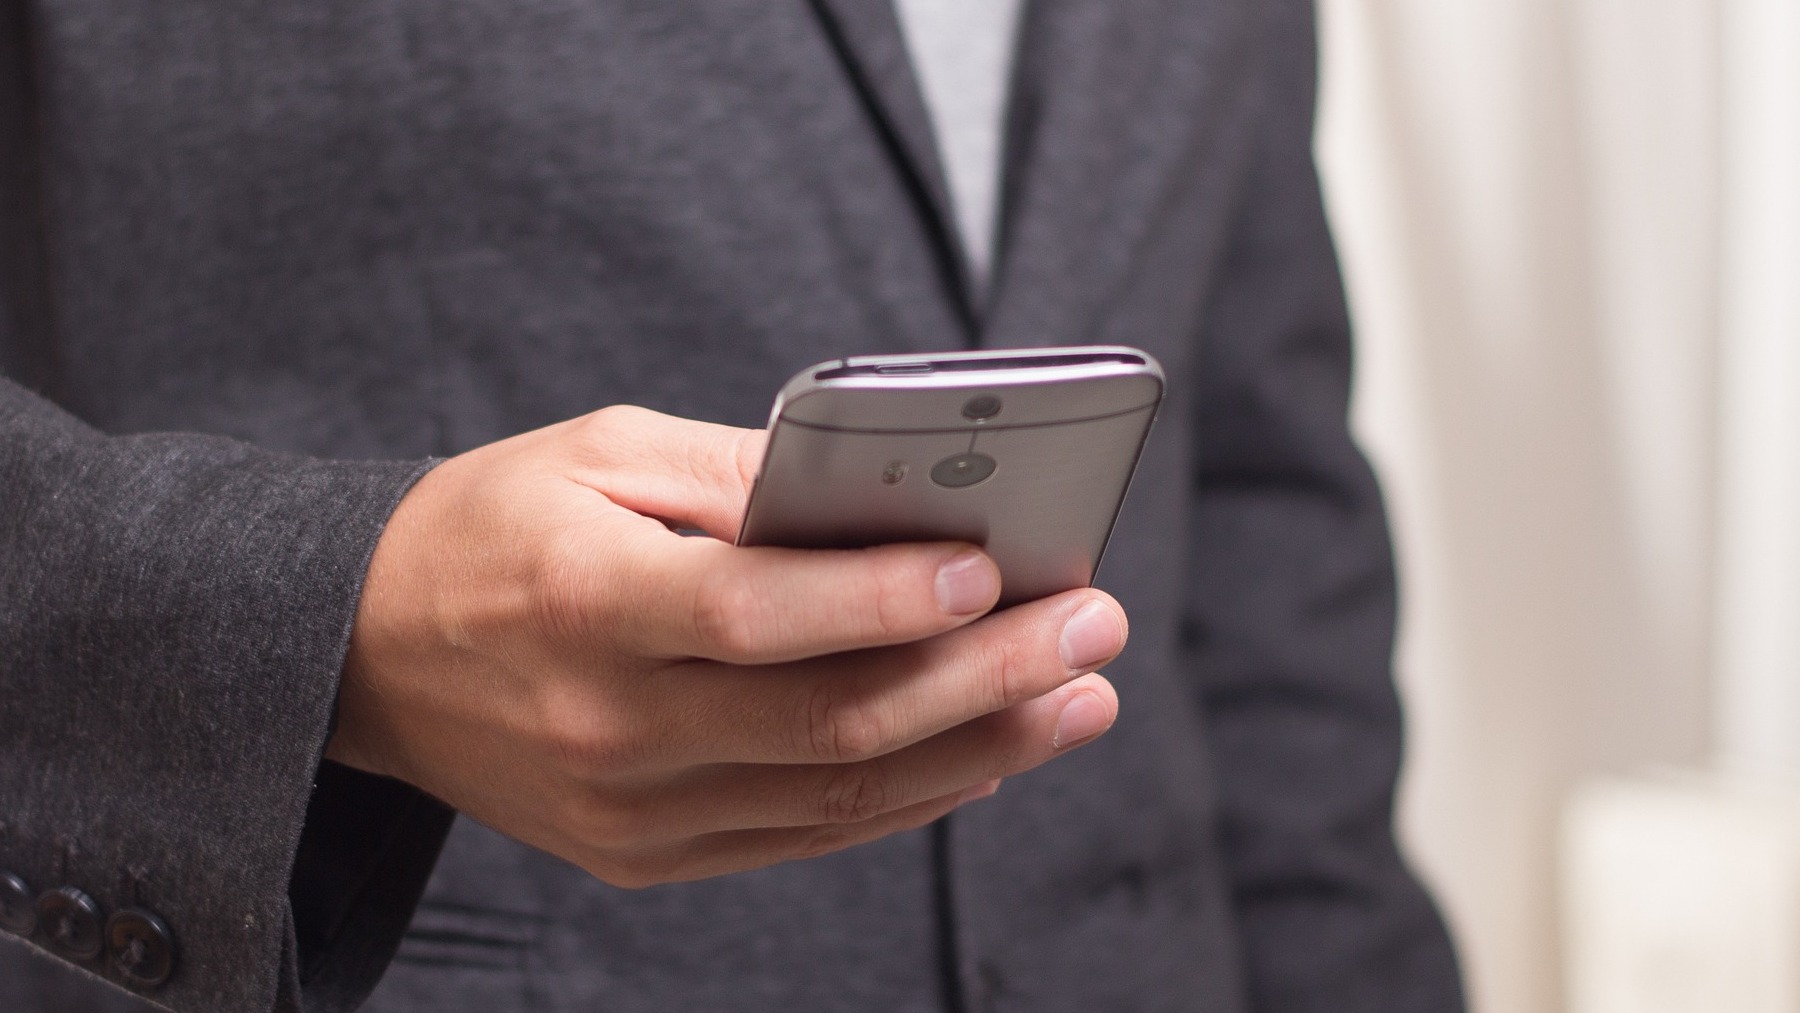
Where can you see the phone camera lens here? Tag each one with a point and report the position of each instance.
(962, 470)
(981, 408)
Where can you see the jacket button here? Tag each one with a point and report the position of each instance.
(143, 951)
(18, 914)
(71, 921)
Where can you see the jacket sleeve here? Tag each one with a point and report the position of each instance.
(174, 612)
(1291, 618)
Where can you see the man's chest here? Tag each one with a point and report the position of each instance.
(552, 204)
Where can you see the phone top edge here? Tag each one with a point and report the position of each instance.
(1038, 365)
(984, 358)
(992, 427)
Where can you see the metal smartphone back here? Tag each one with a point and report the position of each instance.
(1027, 453)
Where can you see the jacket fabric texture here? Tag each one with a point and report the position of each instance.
(260, 264)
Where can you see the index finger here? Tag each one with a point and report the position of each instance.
(707, 599)
(850, 708)
(692, 473)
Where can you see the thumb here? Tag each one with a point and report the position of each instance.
(692, 474)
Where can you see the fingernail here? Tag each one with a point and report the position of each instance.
(968, 583)
(978, 792)
(1082, 718)
(1091, 637)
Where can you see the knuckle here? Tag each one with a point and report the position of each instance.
(854, 794)
(614, 438)
(640, 868)
(1007, 668)
(672, 864)
(582, 743)
(617, 416)
(638, 874)
(626, 878)
(890, 589)
(726, 615)
(616, 824)
(840, 728)
(822, 841)
(598, 432)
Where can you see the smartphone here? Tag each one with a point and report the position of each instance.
(1025, 452)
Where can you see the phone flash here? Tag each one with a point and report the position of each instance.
(894, 474)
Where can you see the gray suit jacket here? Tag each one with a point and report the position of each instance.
(260, 262)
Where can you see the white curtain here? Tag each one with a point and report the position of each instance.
(1572, 238)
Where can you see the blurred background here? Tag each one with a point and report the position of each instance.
(1571, 231)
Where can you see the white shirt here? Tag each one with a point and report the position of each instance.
(962, 53)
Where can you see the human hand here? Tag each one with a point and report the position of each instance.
(537, 648)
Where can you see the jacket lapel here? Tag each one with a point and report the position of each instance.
(1111, 101)
(868, 37)
(1114, 103)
